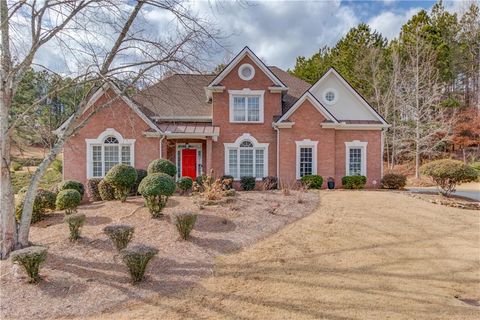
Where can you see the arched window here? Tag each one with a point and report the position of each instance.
(246, 158)
(106, 151)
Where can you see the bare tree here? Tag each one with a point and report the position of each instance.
(103, 41)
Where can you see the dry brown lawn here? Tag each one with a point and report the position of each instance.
(361, 255)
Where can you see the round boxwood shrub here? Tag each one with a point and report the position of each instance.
(447, 174)
(106, 191)
(185, 183)
(394, 181)
(92, 189)
(75, 222)
(44, 200)
(162, 166)
(156, 188)
(120, 234)
(71, 184)
(247, 183)
(122, 177)
(312, 181)
(354, 182)
(136, 258)
(30, 259)
(140, 175)
(68, 200)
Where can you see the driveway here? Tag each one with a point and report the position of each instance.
(360, 255)
(469, 190)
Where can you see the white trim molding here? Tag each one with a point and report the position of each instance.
(100, 141)
(244, 66)
(356, 144)
(246, 93)
(178, 157)
(335, 96)
(236, 146)
(306, 143)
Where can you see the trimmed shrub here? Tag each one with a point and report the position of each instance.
(141, 174)
(122, 177)
(162, 166)
(227, 182)
(354, 182)
(312, 181)
(44, 200)
(247, 183)
(156, 188)
(394, 181)
(447, 174)
(106, 191)
(15, 166)
(57, 165)
(136, 258)
(200, 179)
(185, 183)
(270, 183)
(120, 234)
(92, 189)
(75, 222)
(185, 223)
(30, 259)
(71, 184)
(68, 200)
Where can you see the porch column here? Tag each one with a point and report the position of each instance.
(209, 155)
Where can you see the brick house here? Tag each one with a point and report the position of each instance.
(249, 120)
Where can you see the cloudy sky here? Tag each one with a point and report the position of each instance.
(279, 31)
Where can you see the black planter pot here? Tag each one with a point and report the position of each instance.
(331, 185)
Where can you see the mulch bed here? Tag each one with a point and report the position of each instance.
(87, 276)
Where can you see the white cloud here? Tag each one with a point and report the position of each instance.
(389, 23)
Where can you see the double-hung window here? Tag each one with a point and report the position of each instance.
(356, 158)
(246, 106)
(246, 159)
(306, 157)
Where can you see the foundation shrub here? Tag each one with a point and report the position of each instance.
(106, 191)
(269, 183)
(119, 234)
(185, 184)
(68, 200)
(354, 182)
(162, 166)
(71, 184)
(394, 181)
(122, 177)
(227, 182)
(156, 188)
(141, 174)
(247, 183)
(136, 258)
(93, 191)
(312, 181)
(30, 259)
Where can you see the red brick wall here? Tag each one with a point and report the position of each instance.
(123, 119)
(229, 132)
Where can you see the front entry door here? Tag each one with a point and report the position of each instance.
(189, 163)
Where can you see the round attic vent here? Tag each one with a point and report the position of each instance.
(246, 72)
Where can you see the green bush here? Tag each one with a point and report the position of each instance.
(106, 191)
(185, 223)
(71, 184)
(122, 177)
(227, 181)
(30, 259)
(136, 258)
(185, 183)
(92, 189)
(200, 179)
(68, 200)
(141, 174)
(156, 188)
(120, 234)
(15, 166)
(44, 200)
(75, 222)
(21, 179)
(162, 166)
(312, 181)
(57, 165)
(447, 174)
(247, 183)
(354, 182)
(394, 181)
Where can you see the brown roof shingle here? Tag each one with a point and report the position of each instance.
(296, 87)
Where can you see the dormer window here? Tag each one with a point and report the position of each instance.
(246, 72)
(246, 106)
(330, 96)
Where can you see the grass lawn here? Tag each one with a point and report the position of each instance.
(361, 255)
(21, 179)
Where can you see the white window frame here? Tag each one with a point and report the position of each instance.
(246, 93)
(178, 157)
(335, 96)
(243, 66)
(236, 146)
(99, 141)
(306, 143)
(356, 144)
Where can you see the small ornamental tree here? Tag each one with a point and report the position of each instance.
(30, 259)
(162, 166)
(68, 200)
(156, 188)
(136, 258)
(122, 177)
(447, 174)
(71, 184)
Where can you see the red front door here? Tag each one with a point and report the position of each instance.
(189, 163)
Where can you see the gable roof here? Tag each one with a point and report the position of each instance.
(296, 87)
(317, 104)
(246, 52)
(332, 70)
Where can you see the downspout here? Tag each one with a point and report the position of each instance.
(161, 146)
(278, 152)
(382, 141)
